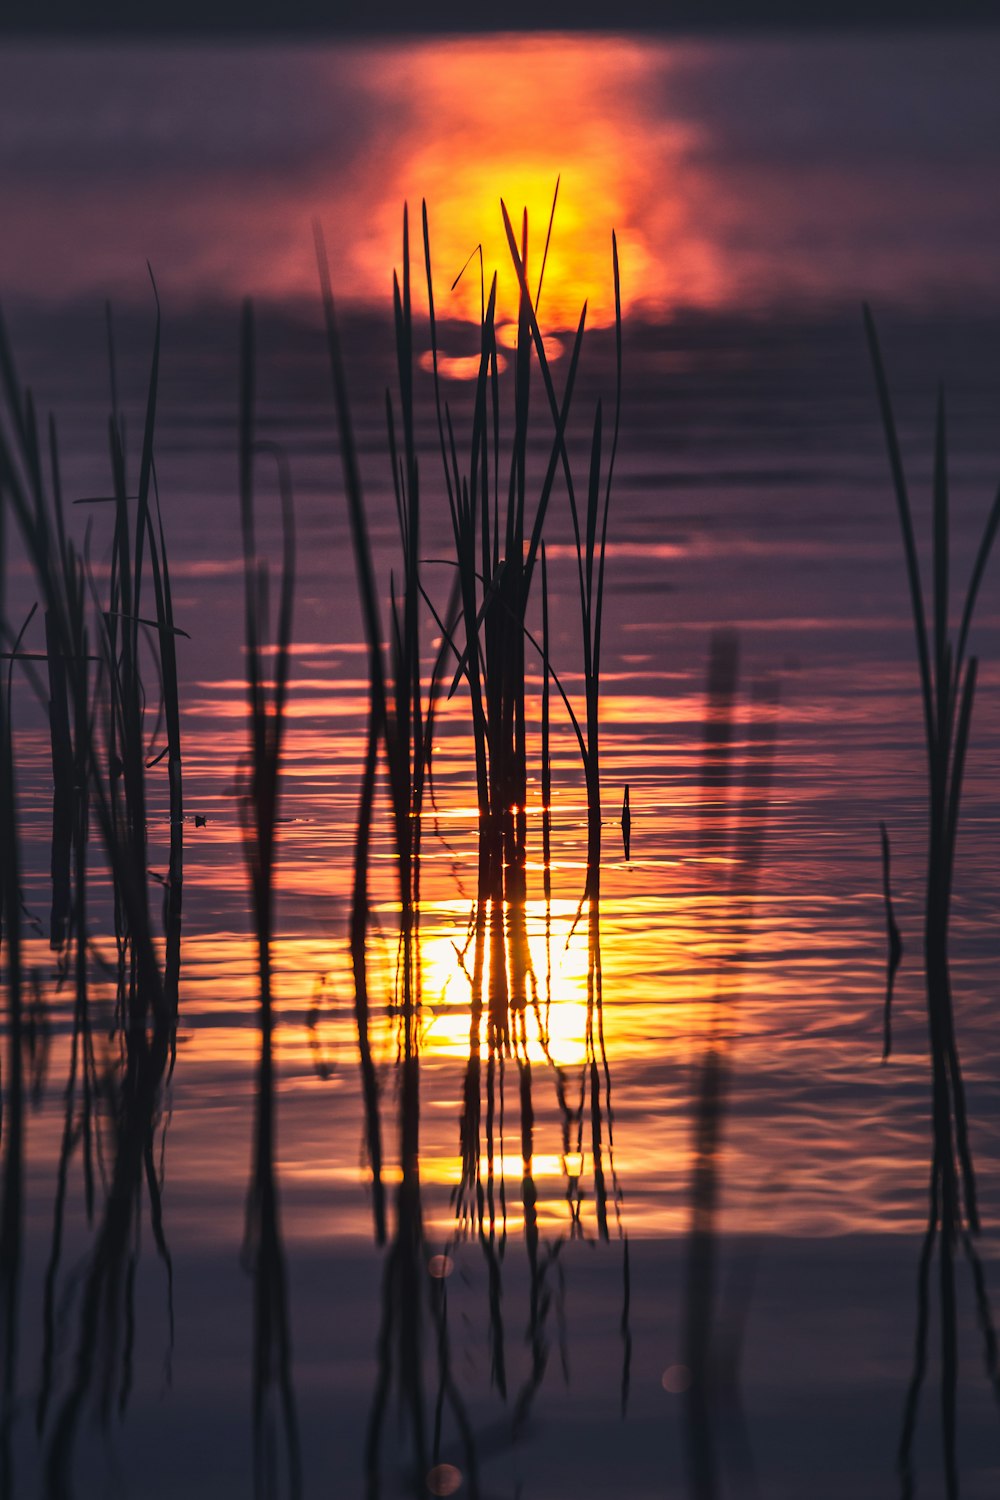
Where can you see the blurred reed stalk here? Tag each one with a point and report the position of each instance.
(11, 1072)
(948, 684)
(267, 671)
(733, 827)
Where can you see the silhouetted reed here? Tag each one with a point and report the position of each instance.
(894, 941)
(496, 554)
(105, 712)
(413, 1324)
(267, 689)
(399, 721)
(114, 745)
(948, 684)
(496, 549)
(591, 546)
(546, 751)
(497, 532)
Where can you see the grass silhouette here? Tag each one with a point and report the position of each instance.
(948, 685)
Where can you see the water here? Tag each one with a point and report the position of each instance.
(758, 192)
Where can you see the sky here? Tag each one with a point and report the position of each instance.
(395, 17)
(735, 172)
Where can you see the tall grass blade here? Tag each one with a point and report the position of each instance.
(894, 943)
(941, 570)
(548, 241)
(906, 526)
(979, 568)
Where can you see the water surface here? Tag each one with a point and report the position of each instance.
(758, 191)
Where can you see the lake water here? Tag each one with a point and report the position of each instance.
(684, 1257)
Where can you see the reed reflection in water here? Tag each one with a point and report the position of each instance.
(510, 1052)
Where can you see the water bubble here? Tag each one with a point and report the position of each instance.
(675, 1379)
(444, 1479)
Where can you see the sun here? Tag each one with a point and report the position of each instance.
(506, 121)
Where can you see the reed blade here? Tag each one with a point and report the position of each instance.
(906, 526)
(599, 605)
(941, 569)
(548, 241)
(982, 558)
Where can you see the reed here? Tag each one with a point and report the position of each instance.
(71, 720)
(400, 730)
(546, 751)
(106, 706)
(497, 524)
(495, 600)
(496, 547)
(396, 715)
(115, 760)
(497, 538)
(948, 684)
(497, 551)
(895, 944)
(591, 539)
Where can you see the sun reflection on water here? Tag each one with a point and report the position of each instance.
(555, 1015)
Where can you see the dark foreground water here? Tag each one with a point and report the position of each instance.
(682, 1256)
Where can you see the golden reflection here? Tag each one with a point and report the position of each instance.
(457, 366)
(659, 1004)
(556, 1016)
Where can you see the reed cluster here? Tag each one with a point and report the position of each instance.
(948, 685)
(99, 652)
(104, 642)
(497, 506)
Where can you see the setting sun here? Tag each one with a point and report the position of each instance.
(504, 121)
